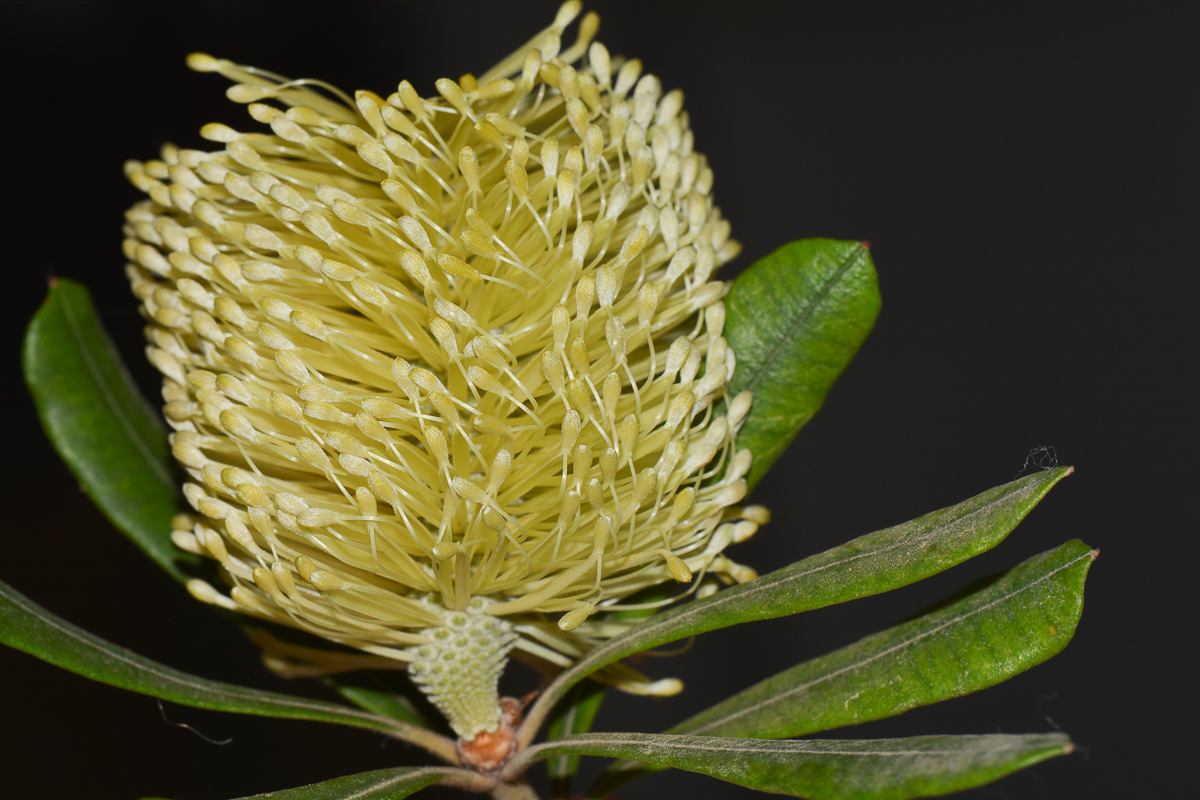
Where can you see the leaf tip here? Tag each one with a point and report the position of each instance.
(1095, 553)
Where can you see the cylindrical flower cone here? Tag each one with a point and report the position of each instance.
(446, 374)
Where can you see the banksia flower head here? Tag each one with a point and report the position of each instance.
(446, 374)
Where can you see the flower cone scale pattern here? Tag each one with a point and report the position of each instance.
(426, 356)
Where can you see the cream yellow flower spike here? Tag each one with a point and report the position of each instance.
(444, 372)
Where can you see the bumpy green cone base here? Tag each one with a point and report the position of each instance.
(459, 669)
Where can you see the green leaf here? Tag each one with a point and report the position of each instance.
(826, 769)
(31, 628)
(575, 714)
(367, 689)
(1016, 622)
(795, 319)
(383, 784)
(101, 426)
(871, 564)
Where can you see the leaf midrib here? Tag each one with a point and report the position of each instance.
(718, 744)
(84, 349)
(799, 321)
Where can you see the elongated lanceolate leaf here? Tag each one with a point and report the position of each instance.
(31, 628)
(1016, 622)
(383, 784)
(827, 769)
(871, 564)
(795, 319)
(100, 425)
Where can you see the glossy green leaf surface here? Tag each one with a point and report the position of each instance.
(871, 564)
(795, 319)
(100, 424)
(575, 714)
(27, 626)
(1016, 622)
(828, 769)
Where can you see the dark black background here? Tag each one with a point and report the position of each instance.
(1028, 175)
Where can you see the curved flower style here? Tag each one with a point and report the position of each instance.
(445, 373)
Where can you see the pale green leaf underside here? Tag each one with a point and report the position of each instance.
(870, 769)
(383, 784)
(871, 564)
